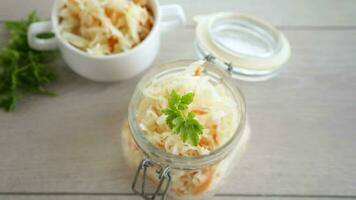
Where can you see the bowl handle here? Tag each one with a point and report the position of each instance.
(173, 17)
(38, 43)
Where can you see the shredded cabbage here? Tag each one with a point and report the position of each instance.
(104, 27)
(213, 105)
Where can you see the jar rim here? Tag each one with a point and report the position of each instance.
(164, 158)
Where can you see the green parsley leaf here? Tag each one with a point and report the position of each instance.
(180, 120)
(22, 69)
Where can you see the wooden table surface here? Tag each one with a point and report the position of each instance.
(303, 121)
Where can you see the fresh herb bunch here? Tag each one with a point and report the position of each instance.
(180, 120)
(22, 69)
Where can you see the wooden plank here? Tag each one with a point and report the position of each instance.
(279, 12)
(302, 123)
(123, 197)
(56, 197)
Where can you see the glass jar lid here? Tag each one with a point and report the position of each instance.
(251, 48)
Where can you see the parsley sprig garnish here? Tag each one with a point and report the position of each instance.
(180, 120)
(22, 69)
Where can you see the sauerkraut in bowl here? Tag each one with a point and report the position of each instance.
(107, 40)
(197, 170)
(105, 27)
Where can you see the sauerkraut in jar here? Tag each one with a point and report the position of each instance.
(182, 169)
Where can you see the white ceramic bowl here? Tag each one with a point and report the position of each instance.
(113, 67)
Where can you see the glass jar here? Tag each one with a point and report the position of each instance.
(179, 177)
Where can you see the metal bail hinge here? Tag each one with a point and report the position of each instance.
(209, 58)
(229, 67)
(163, 174)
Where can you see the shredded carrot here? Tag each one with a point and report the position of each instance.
(205, 184)
(114, 16)
(140, 2)
(198, 111)
(73, 1)
(154, 181)
(204, 142)
(156, 109)
(112, 42)
(161, 145)
(192, 152)
(156, 128)
(73, 5)
(76, 29)
(76, 16)
(215, 133)
(109, 12)
(96, 21)
(197, 71)
(179, 192)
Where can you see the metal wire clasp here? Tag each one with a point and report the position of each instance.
(163, 174)
(210, 58)
(229, 67)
